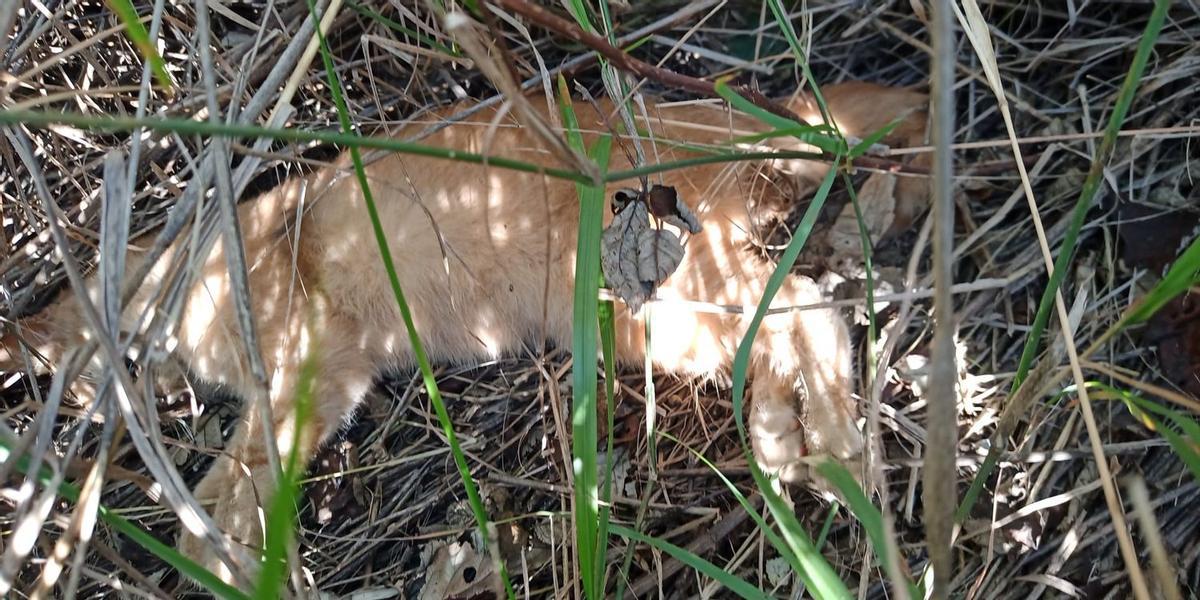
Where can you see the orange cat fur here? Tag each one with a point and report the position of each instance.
(486, 259)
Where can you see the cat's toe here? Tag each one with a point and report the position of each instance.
(235, 511)
(200, 550)
(834, 434)
(787, 442)
(832, 430)
(778, 439)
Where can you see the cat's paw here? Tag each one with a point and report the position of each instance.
(778, 438)
(832, 432)
(232, 500)
(832, 429)
(786, 439)
(201, 551)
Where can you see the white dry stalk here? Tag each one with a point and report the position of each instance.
(939, 494)
(204, 235)
(543, 72)
(287, 65)
(133, 408)
(114, 236)
(174, 491)
(463, 29)
(408, 52)
(1160, 560)
(235, 259)
(977, 32)
(310, 52)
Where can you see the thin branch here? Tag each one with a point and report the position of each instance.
(670, 78)
(941, 442)
(625, 62)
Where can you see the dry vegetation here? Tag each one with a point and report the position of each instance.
(384, 497)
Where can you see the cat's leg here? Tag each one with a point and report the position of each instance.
(239, 488)
(801, 391)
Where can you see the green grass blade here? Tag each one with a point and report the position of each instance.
(867, 246)
(789, 33)
(822, 535)
(814, 570)
(860, 505)
(1091, 185)
(585, 319)
(861, 147)
(281, 520)
(856, 501)
(1082, 205)
(204, 128)
(772, 537)
(865, 511)
(820, 130)
(46, 119)
(696, 161)
(804, 132)
(1182, 275)
(617, 89)
(418, 348)
(735, 584)
(136, 32)
(1189, 427)
(608, 343)
(782, 132)
(816, 573)
(1186, 444)
(1185, 448)
(203, 577)
(578, 11)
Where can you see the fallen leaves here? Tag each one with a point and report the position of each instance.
(1151, 239)
(877, 203)
(455, 570)
(635, 257)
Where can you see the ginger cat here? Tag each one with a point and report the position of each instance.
(486, 259)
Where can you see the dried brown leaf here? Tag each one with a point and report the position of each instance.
(877, 201)
(635, 257)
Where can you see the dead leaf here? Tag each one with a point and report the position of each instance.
(1175, 329)
(619, 253)
(659, 254)
(456, 570)
(665, 204)
(779, 571)
(1151, 238)
(877, 201)
(636, 257)
(919, 10)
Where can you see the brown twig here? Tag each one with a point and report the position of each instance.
(670, 78)
(939, 495)
(625, 62)
(506, 56)
(702, 544)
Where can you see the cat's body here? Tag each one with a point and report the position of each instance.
(485, 257)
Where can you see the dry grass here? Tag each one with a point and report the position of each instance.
(384, 496)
